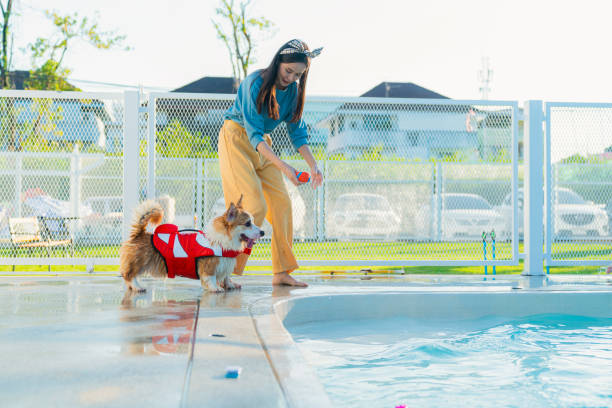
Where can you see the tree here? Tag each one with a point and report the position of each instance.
(5, 61)
(175, 140)
(49, 73)
(237, 31)
(50, 77)
(48, 53)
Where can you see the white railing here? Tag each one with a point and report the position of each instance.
(405, 158)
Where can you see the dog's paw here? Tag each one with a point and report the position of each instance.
(136, 289)
(213, 288)
(218, 289)
(232, 285)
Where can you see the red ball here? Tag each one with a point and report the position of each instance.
(302, 176)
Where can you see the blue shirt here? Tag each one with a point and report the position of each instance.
(244, 112)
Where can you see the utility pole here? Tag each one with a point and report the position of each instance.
(485, 75)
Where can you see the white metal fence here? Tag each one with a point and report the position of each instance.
(407, 182)
(578, 183)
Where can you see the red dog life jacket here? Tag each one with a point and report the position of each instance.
(182, 248)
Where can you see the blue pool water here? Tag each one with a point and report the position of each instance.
(538, 361)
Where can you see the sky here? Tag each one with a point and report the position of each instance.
(537, 49)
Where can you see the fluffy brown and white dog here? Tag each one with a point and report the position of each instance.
(232, 232)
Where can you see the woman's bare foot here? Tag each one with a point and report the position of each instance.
(283, 278)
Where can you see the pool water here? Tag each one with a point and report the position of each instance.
(536, 361)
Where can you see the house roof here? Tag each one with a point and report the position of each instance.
(402, 90)
(219, 85)
(399, 90)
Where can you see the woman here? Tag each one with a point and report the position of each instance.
(249, 166)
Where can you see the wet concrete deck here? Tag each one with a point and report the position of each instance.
(81, 341)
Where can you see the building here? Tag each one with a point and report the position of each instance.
(414, 130)
(60, 121)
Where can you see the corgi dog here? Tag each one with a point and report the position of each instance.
(209, 256)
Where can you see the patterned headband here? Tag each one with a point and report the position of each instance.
(297, 46)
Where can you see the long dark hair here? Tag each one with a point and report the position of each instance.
(267, 92)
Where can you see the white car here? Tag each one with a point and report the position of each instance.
(573, 215)
(362, 215)
(463, 216)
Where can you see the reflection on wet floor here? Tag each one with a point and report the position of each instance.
(170, 332)
(229, 300)
(82, 342)
(79, 344)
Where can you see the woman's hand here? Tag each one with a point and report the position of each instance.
(289, 172)
(316, 177)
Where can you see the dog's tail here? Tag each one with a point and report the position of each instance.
(147, 212)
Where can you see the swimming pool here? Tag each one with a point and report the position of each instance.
(532, 348)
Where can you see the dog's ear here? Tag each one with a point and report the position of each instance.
(239, 204)
(231, 213)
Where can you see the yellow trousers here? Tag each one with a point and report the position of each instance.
(244, 171)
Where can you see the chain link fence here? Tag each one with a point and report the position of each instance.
(60, 158)
(406, 182)
(578, 197)
(403, 181)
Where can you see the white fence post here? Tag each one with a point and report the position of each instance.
(75, 181)
(437, 218)
(534, 189)
(130, 158)
(320, 206)
(204, 220)
(199, 213)
(18, 182)
(151, 193)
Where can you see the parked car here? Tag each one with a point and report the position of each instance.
(573, 215)
(362, 215)
(463, 216)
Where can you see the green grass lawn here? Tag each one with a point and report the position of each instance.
(366, 251)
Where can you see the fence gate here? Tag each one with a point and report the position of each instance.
(578, 184)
